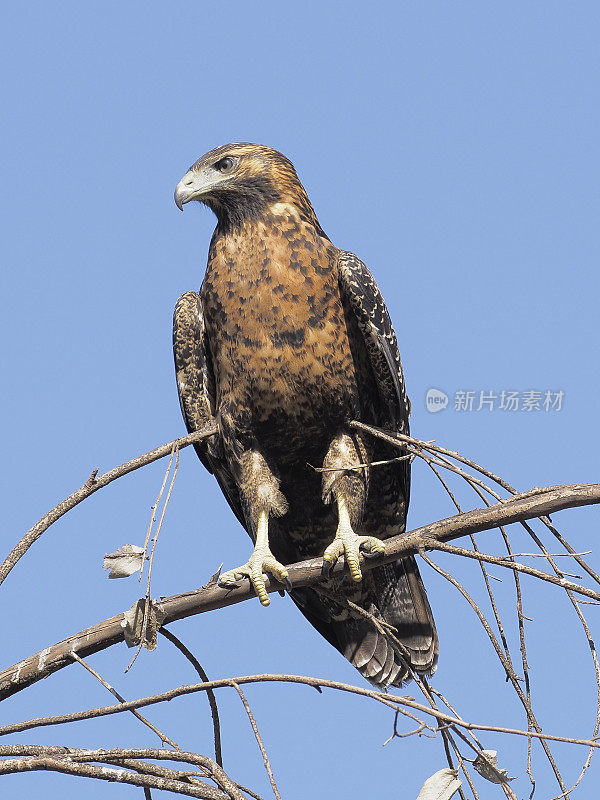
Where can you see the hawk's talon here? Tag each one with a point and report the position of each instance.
(259, 563)
(327, 568)
(374, 553)
(349, 544)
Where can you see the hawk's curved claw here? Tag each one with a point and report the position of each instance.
(327, 568)
(228, 583)
(377, 553)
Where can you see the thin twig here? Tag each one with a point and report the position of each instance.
(214, 710)
(93, 484)
(257, 735)
(322, 683)
(153, 513)
(249, 792)
(366, 465)
(162, 736)
(148, 603)
(505, 663)
(434, 544)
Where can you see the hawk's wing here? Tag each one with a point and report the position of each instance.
(362, 295)
(395, 589)
(196, 386)
(194, 379)
(368, 306)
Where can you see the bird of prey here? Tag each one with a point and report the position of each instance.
(287, 342)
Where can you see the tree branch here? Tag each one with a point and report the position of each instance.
(131, 758)
(93, 483)
(535, 503)
(197, 789)
(389, 700)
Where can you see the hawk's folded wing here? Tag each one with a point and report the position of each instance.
(196, 386)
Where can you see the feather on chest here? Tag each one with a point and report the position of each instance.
(275, 320)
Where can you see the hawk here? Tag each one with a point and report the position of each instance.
(287, 342)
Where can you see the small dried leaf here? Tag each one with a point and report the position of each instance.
(133, 622)
(486, 765)
(124, 561)
(441, 785)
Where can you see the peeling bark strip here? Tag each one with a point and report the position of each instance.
(535, 503)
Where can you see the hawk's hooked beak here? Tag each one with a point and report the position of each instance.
(191, 187)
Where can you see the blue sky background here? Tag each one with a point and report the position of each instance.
(454, 148)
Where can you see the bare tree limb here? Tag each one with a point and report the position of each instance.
(131, 766)
(536, 503)
(183, 782)
(120, 775)
(129, 756)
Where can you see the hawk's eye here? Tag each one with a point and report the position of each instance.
(225, 164)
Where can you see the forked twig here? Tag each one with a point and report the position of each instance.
(147, 604)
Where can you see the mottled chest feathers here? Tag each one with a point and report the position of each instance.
(276, 271)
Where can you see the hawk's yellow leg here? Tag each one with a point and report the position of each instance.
(262, 560)
(347, 543)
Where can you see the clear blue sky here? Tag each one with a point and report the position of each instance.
(453, 146)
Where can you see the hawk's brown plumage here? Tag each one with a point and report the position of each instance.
(289, 341)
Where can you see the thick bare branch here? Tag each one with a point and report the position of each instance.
(535, 503)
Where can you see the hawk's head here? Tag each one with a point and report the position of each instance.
(242, 181)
